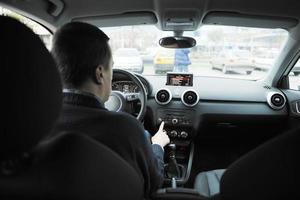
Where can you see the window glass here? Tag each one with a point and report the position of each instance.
(294, 77)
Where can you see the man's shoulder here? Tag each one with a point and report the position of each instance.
(126, 127)
(124, 119)
(67, 108)
(118, 119)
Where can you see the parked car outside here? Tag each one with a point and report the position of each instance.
(128, 59)
(164, 60)
(237, 61)
(148, 55)
(264, 59)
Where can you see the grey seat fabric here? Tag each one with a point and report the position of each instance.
(208, 183)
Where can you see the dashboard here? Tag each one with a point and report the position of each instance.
(193, 106)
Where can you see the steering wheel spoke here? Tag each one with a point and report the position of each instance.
(132, 97)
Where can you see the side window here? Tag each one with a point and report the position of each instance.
(44, 34)
(294, 77)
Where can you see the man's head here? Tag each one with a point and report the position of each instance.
(84, 58)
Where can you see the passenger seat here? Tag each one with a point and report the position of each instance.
(208, 183)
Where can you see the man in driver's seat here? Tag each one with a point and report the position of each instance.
(84, 59)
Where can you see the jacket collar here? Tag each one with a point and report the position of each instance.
(81, 98)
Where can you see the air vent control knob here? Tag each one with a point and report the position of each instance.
(173, 133)
(184, 134)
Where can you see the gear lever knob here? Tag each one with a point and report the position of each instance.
(172, 149)
(172, 168)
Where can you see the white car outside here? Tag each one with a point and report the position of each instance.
(128, 59)
(237, 61)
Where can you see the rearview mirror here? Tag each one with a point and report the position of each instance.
(177, 42)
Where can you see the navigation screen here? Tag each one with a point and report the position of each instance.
(179, 79)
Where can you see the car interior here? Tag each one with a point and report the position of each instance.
(232, 133)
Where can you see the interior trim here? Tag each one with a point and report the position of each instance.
(126, 19)
(189, 166)
(237, 19)
(297, 107)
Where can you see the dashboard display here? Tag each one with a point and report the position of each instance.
(125, 86)
(179, 79)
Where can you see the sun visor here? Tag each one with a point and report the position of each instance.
(237, 19)
(132, 18)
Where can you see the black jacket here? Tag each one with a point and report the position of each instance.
(119, 131)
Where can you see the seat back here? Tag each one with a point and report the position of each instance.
(271, 171)
(71, 165)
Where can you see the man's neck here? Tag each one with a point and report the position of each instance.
(91, 88)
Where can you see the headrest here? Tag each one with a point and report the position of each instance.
(31, 94)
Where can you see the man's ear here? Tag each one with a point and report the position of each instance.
(99, 75)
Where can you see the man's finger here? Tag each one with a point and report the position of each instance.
(161, 127)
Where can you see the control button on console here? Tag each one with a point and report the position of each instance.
(183, 134)
(173, 133)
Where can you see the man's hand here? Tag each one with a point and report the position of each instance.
(161, 138)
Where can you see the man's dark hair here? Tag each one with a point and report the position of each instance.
(78, 49)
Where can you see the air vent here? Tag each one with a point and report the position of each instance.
(163, 96)
(276, 100)
(190, 98)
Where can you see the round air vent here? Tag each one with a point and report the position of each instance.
(276, 100)
(163, 96)
(190, 98)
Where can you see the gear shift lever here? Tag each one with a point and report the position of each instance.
(172, 150)
(172, 169)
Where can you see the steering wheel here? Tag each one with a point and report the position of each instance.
(121, 102)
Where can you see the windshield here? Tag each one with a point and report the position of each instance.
(126, 52)
(221, 51)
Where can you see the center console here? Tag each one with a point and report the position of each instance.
(179, 127)
(179, 118)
